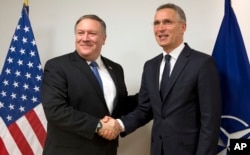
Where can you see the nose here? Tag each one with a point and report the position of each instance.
(85, 37)
(160, 27)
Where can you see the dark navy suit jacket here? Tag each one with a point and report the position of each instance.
(187, 121)
(73, 103)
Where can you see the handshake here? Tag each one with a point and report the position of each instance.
(110, 128)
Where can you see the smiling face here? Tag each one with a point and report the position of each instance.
(168, 29)
(89, 38)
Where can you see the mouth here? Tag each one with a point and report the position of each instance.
(163, 36)
(85, 45)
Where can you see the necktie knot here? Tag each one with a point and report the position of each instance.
(167, 58)
(93, 64)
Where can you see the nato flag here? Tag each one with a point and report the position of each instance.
(234, 69)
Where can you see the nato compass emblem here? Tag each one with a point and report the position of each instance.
(231, 128)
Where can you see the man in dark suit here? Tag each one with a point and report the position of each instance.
(186, 109)
(73, 99)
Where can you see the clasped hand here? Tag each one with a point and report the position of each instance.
(110, 128)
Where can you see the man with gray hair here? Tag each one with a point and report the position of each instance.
(180, 92)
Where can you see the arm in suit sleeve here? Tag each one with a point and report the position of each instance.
(59, 113)
(210, 108)
(142, 114)
(130, 103)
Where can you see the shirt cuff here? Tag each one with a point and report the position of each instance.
(121, 124)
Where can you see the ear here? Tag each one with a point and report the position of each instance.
(104, 39)
(183, 27)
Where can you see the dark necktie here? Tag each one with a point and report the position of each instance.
(94, 66)
(165, 76)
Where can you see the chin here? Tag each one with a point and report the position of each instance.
(163, 44)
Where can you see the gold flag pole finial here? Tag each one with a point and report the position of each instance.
(26, 2)
(26, 6)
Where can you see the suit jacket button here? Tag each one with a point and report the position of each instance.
(160, 137)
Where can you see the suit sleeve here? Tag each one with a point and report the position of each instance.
(142, 113)
(210, 108)
(130, 103)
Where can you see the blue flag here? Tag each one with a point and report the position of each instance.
(22, 121)
(234, 69)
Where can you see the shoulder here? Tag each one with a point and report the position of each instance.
(198, 60)
(61, 57)
(110, 63)
(195, 54)
(60, 61)
(153, 61)
(157, 58)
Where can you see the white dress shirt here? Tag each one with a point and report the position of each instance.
(109, 88)
(174, 55)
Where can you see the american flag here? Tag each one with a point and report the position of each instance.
(22, 120)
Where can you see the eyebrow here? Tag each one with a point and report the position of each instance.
(164, 21)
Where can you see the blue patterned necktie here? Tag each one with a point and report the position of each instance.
(165, 76)
(94, 66)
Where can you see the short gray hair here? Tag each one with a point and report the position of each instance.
(94, 17)
(176, 8)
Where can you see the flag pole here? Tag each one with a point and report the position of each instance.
(26, 6)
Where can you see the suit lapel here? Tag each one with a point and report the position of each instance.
(156, 73)
(110, 70)
(84, 68)
(113, 76)
(153, 72)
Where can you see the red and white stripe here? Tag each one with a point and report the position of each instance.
(26, 135)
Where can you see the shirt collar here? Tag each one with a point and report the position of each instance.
(98, 60)
(176, 52)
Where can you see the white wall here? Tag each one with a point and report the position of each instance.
(130, 35)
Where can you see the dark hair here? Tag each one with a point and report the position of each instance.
(94, 17)
(176, 8)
